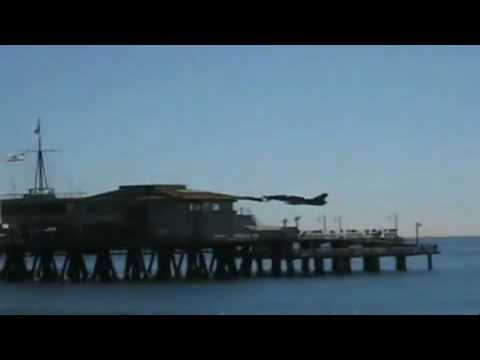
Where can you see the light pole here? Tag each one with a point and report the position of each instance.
(338, 219)
(323, 220)
(297, 221)
(417, 226)
(395, 220)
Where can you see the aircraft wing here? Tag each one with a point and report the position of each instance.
(251, 198)
(277, 197)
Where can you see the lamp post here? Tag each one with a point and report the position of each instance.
(395, 220)
(297, 221)
(338, 220)
(417, 226)
(323, 220)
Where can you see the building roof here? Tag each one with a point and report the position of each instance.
(163, 192)
(197, 195)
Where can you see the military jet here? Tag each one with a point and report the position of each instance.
(298, 200)
(251, 198)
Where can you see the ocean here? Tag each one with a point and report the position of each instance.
(451, 288)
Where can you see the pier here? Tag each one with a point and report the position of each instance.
(169, 231)
(224, 258)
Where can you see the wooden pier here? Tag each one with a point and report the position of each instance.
(222, 258)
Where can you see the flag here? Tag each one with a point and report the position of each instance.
(15, 158)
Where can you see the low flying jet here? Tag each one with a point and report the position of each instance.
(298, 200)
(251, 198)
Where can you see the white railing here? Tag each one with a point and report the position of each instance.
(73, 195)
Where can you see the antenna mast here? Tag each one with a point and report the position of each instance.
(41, 182)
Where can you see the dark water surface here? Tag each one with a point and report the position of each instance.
(451, 288)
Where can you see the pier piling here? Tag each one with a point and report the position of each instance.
(47, 269)
(104, 270)
(341, 265)
(15, 269)
(371, 263)
(135, 268)
(74, 268)
(401, 262)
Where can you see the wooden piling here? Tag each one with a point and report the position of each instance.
(401, 262)
(246, 264)
(15, 269)
(219, 265)
(371, 264)
(47, 269)
(196, 265)
(276, 254)
(165, 260)
(135, 268)
(341, 264)
(260, 269)
(289, 259)
(305, 260)
(74, 268)
(104, 270)
(319, 265)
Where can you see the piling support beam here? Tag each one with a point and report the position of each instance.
(305, 260)
(341, 265)
(104, 270)
(15, 269)
(219, 265)
(47, 269)
(177, 264)
(230, 261)
(74, 268)
(260, 269)
(165, 260)
(196, 264)
(289, 259)
(276, 253)
(135, 268)
(225, 264)
(401, 262)
(430, 262)
(371, 263)
(246, 264)
(318, 263)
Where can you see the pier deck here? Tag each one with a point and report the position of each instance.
(227, 257)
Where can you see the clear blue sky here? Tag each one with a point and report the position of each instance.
(382, 129)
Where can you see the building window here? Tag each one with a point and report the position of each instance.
(215, 207)
(195, 207)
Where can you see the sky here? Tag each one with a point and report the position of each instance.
(382, 129)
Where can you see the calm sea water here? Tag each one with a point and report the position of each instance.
(451, 288)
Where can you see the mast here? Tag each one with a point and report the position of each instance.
(41, 181)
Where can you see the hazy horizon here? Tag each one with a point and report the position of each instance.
(382, 129)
